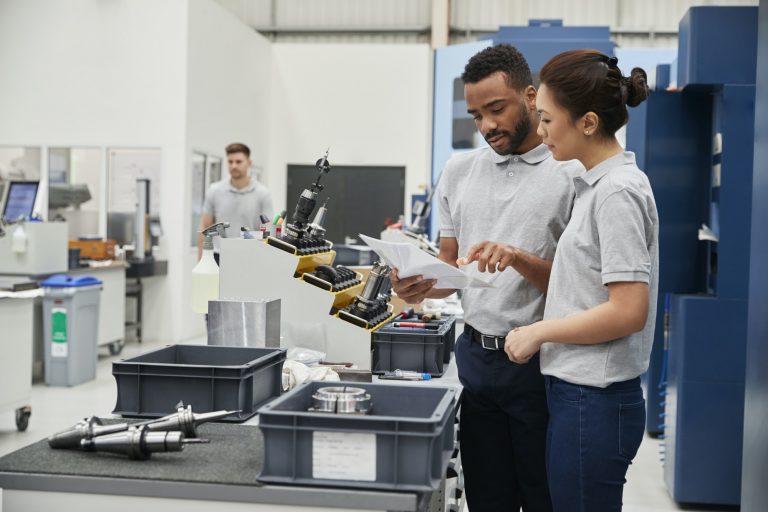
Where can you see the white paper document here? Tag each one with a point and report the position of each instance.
(344, 456)
(409, 261)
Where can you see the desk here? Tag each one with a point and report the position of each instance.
(220, 476)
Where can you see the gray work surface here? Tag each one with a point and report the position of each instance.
(224, 470)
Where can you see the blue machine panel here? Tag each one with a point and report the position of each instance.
(707, 338)
(754, 491)
(676, 159)
(717, 45)
(705, 400)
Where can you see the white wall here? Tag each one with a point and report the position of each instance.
(94, 73)
(188, 76)
(370, 103)
(228, 73)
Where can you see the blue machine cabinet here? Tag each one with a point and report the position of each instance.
(707, 335)
(670, 154)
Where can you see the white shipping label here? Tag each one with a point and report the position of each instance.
(59, 350)
(344, 456)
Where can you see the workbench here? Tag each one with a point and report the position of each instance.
(219, 476)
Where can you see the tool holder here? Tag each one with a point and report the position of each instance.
(255, 270)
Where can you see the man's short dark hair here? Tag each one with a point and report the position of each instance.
(238, 148)
(500, 57)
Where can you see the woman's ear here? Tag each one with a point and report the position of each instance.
(589, 123)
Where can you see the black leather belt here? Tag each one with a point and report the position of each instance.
(487, 341)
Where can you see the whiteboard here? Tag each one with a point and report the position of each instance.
(125, 167)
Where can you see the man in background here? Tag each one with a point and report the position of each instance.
(240, 200)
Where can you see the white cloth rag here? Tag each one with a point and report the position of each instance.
(295, 373)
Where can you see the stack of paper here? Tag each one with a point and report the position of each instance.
(409, 261)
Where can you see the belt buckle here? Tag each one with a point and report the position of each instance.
(495, 340)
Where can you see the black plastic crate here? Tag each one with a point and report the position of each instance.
(209, 378)
(405, 443)
(401, 349)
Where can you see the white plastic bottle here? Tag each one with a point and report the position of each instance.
(19, 240)
(205, 275)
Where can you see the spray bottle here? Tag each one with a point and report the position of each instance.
(205, 275)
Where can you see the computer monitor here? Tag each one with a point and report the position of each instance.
(19, 200)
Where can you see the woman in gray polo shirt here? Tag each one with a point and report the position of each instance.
(596, 336)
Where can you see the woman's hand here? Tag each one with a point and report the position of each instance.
(523, 343)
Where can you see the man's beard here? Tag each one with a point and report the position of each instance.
(516, 138)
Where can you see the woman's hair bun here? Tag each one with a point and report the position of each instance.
(637, 87)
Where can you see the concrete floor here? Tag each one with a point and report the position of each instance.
(55, 409)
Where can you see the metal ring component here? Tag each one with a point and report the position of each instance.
(341, 400)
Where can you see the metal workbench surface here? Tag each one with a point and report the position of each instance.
(224, 470)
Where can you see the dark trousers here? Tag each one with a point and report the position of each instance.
(503, 426)
(594, 434)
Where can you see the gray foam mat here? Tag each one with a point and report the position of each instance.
(234, 456)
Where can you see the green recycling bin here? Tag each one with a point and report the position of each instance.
(70, 327)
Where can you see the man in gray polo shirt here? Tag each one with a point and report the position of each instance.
(240, 200)
(503, 207)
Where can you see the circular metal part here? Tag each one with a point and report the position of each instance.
(341, 400)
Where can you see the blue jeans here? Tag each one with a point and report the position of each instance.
(593, 435)
(503, 430)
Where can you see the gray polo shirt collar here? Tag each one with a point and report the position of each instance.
(592, 176)
(533, 157)
(250, 187)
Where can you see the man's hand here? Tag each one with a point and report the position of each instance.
(412, 289)
(522, 344)
(490, 256)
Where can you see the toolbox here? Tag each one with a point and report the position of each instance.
(209, 378)
(404, 442)
(418, 350)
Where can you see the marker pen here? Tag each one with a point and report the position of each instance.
(416, 325)
(405, 375)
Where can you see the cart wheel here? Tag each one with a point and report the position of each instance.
(22, 418)
(116, 347)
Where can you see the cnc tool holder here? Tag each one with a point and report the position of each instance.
(254, 270)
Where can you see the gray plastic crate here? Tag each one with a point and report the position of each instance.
(403, 349)
(405, 443)
(209, 378)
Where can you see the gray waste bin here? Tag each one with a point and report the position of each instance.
(70, 326)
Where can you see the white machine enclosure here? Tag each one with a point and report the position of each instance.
(253, 270)
(46, 249)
